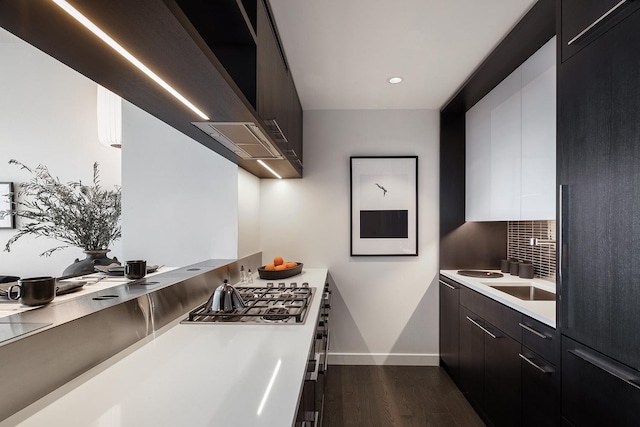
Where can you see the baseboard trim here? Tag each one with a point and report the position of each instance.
(391, 359)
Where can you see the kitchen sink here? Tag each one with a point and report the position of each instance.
(524, 292)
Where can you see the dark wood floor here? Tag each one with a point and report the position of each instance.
(388, 396)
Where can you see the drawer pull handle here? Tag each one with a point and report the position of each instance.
(596, 22)
(533, 331)
(481, 327)
(313, 375)
(447, 285)
(542, 369)
(607, 367)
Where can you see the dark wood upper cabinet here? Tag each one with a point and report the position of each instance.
(583, 21)
(206, 50)
(228, 29)
(278, 104)
(243, 36)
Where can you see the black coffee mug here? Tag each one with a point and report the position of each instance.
(34, 290)
(135, 269)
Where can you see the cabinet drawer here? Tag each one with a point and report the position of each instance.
(540, 338)
(540, 391)
(500, 316)
(597, 390)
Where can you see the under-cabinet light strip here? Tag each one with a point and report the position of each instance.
(129, 57)
(264, 165)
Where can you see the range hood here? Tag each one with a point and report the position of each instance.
(243, 138)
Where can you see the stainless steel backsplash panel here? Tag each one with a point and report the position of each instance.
(85, 332)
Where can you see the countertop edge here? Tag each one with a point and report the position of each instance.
(508, 300)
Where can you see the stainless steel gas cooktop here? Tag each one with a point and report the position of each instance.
(272, 304)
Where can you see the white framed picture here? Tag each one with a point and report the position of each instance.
(6, 198)
(384, 206)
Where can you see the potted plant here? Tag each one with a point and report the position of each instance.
(85, 216)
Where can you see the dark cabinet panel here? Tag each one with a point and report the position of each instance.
(228, 29)
(502, 378)
(596, 390)
(490, 369)
(272, 70)
(450, 326)
(501, 316)
(583, 21)
(598, 164)
(540, 391)
(541, 338)
(278, 104)
(471, 357)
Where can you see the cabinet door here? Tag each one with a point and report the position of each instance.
(272, 72)
(510, 145)
(583, 21)
(596, 390)
(598, 164)
(471, 357)
(502, 378)
(478, 161)
(540, 388)
(506, 157)
(538, 145)
(450, 326)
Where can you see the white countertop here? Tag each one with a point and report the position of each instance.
(94, 282)
(192, 375)
(543, 311)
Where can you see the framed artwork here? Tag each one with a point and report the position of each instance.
(6, 199)
(384, 206)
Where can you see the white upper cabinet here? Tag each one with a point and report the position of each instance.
(511, 146)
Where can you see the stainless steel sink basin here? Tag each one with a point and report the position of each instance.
(524, 292)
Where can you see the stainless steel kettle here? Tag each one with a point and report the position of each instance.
(225, 299)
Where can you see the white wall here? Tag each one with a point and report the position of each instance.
(179, 199)
(385, 309)
(248, 214)
(47, 116)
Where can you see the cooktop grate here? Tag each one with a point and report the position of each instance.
(286, 304)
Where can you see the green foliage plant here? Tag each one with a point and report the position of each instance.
(84, 216)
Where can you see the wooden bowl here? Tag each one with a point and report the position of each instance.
(282, 274)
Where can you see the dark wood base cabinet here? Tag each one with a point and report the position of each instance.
(597, 390)
(507, 362)
(490, 370)
(450, 327)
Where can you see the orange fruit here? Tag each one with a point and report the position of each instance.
(270, 267)
(291, 264)
(281, 267)
(278, 260)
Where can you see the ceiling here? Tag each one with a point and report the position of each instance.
(341, 52)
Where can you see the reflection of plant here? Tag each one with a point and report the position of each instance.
(79, 215)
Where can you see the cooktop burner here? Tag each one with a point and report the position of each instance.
(480, 273)
(276, 314)
(280, 304)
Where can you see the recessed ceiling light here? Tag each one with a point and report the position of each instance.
(395, 80)
(129, 57)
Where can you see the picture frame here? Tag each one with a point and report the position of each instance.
(384, 205)
(6, 205)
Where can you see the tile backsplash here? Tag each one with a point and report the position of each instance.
(543, 255)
